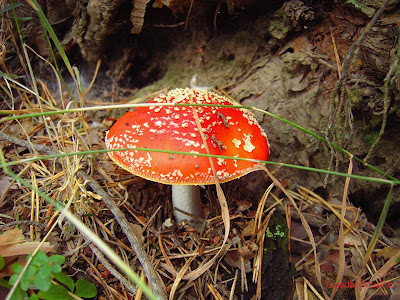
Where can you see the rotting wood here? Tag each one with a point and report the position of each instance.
(137, 15)
(128, 285)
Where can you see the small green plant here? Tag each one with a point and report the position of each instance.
(277, 232)
(44, 280)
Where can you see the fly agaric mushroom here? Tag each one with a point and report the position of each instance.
(228, 131)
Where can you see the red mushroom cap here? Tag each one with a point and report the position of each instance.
(228, 131)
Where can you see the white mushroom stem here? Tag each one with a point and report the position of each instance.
(187, 199)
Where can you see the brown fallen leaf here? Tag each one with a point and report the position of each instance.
(387, 253)
(10, 237)
(249, 229)
(13, 246)
(25, 249)
(248, 251)
(232, 258)
(13, 243)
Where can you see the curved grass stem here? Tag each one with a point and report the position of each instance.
(86, 231)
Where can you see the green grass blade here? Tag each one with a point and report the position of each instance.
(93, 152)
(46, 25)
(10, 7)
(78, 78)
(120, 106)
(379, 227)
(86, 231)
(325, 141)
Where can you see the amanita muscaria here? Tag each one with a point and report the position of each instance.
(228, 131)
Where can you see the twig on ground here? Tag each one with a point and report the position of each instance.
(23, 222)
(128, 285)
(154, 280)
